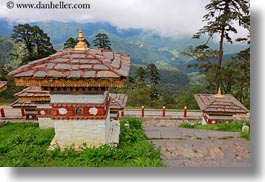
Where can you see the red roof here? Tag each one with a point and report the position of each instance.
(33, 92)
(73, 64)
(226, 104)
(118, 101)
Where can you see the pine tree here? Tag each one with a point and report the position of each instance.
(37, 43)
(154, 79)
(102, 41)
(140, 74)
(71, 42)
(221, 16)
(153, 74)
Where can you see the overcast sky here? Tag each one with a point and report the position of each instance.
(166, 17)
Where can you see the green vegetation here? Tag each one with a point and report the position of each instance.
(25, 145)
(233, 127)
(71, 43)
(37, 43)
(102, 41)
(220, 18)
(153, 88)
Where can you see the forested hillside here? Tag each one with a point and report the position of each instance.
(184, 65)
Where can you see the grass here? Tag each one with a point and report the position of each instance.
(25, 145)
(232, 127)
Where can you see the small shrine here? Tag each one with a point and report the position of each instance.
(3, 86)
(117, 105)
(28, 99)
(219, 108)
(78, 81)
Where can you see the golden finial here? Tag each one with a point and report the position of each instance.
(219, 94)
(81, 45)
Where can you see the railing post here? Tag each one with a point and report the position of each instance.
(164, 111)
(185, 111)
(2, 112)
(23, 112)
(142, 111)
(122, 113)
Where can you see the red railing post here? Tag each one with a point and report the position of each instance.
(142, 111)
(23, 112)
(2, 112)
(185, 111)
(164, 111)
(122, 113)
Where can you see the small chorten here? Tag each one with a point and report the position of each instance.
(81, 45)
(219, 94)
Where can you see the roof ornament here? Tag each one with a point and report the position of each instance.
(219, 95)
(81, 45)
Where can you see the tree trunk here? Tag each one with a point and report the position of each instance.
(220, 57)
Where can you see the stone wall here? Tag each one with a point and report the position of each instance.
(78, 132)
(45, 123)
(165, 121)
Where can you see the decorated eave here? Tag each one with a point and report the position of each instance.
(220, 104)
(24, 104)
(3, 86)
(78, 67)
(33, 94)
(118, 101)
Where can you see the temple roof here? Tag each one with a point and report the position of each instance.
(118, 101)
(33, 92)
(24, 104)
(73, 64)
(3, 85)
(210, 103)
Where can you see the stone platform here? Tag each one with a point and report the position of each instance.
(199, 148)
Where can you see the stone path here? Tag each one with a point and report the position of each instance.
(199, 148)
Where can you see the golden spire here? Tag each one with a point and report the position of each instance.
(81, 45)
(219, 95)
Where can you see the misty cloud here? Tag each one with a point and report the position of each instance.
(166, 17)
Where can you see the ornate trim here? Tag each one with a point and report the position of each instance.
(70, 83)
(33, 99)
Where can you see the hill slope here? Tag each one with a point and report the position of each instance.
(143, 47)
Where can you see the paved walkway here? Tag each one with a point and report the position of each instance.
(200, 148)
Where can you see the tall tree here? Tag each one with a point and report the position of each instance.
(71, 42)
(221, 16)
(153, 74)
(140, 74)
(37, 43)
(102, 41)
(154, 78)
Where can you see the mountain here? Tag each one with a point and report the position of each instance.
(143, 47)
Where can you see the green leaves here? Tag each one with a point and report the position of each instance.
(37, 43)
(71, 43)
(102, 41)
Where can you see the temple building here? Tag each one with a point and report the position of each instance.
(117, 105)
(78, 81)
(3, 86)
(28, 99)
(219, 108)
